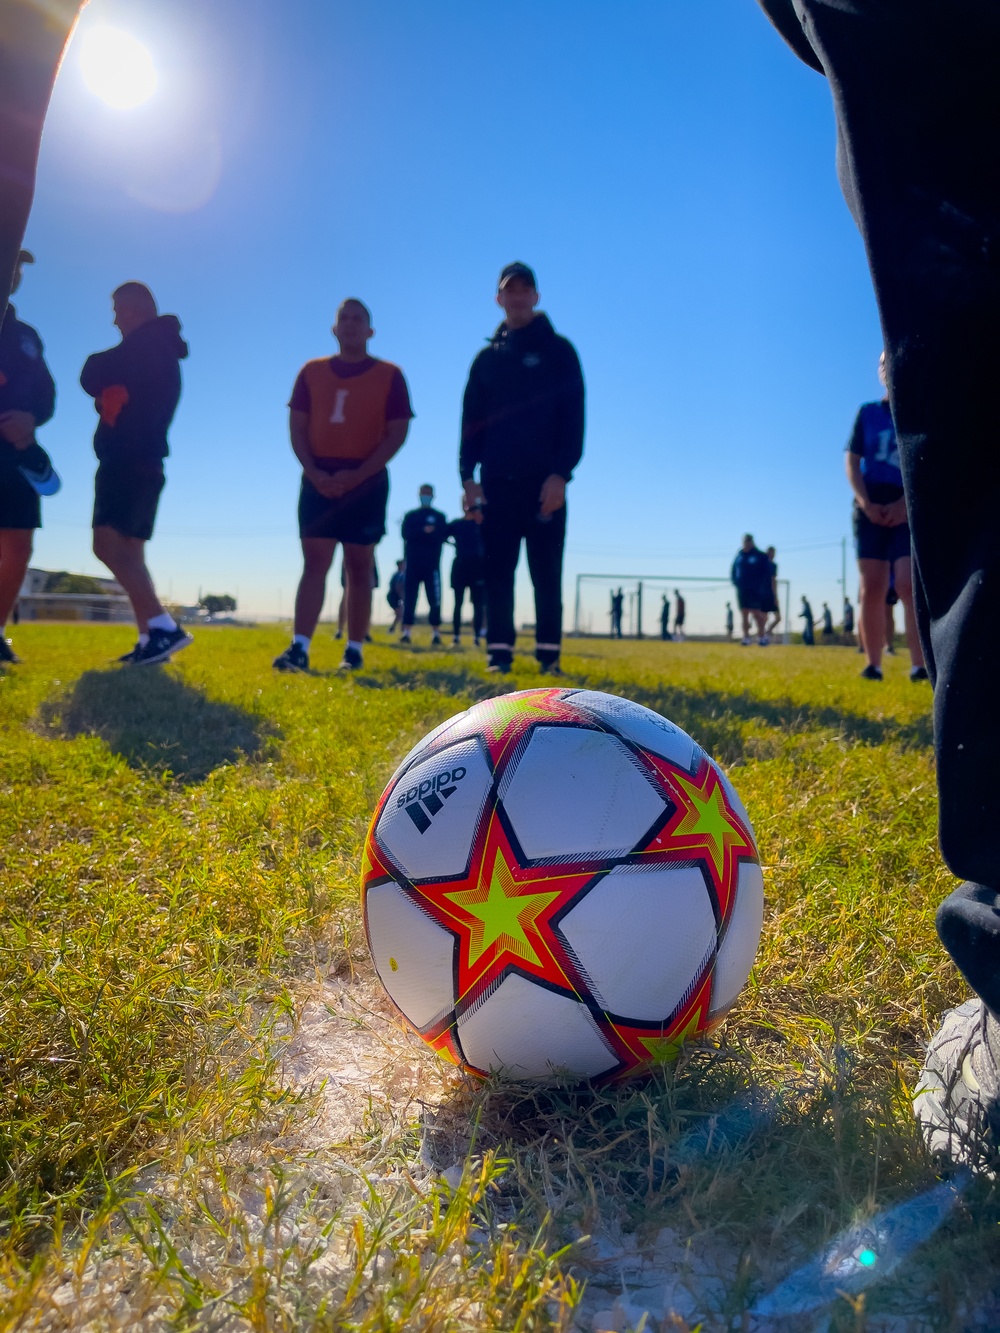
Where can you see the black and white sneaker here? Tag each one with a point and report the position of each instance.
(919, 673)
(957, 1102)
(294, 658)
(128, 658)
(550, 669)
(163, 643)
(871, 672)
(7, 653)
(405, 637)
(436, 640)
(352, 659)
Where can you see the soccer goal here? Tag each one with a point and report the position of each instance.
(642, 605)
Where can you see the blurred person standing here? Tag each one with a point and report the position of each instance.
(348, 415)
(617, 602)
(751, 577)
(680, 615)
(774, 606)
(136, 387)
(806, 615)
(665, 618)
(425, 531)
(468, 573)
(522, 428)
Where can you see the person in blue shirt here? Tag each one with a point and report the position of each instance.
(425, 531)
(881, 531)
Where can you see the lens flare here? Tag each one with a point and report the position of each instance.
(117, 68)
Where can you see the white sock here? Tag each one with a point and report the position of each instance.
(353, 643)
(303, 639)
(163, 622)
(143, 640)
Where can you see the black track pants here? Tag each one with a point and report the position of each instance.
(428, 577)
(510, 516)
(471, 581)
(918, 108)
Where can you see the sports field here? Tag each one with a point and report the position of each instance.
(210, 1118)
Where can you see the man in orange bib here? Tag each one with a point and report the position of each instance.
(348, 415)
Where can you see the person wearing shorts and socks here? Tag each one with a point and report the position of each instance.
(680, 615)
(27, 401)
(342, 608)
(425, 531)
(522, 427)
(918, 110)
(136, 387)
(467, 574)
(881, 532)
(751, 577)
(348, 416)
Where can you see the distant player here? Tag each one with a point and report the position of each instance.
(881, 531)
(730, 624)
(136, 387)
(468, 573)
(425, 531)
(751, 577)
(774, 606)
(394, 596)
(348, 416)
(848, 616)
(522, 427)
(617, 602)
(665, 618)
(827, 618)
(27, 401)
(680, 615)
(806, 614)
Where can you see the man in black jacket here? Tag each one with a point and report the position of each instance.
(136, 387)
(27, 401)
(522, 427)
(425, 531)
(918, 111)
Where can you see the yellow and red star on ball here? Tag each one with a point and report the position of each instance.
(503, 721)
(502, 915)
(703, 825)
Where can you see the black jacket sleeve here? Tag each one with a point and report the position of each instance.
(101, 370)
(473, 421)
(782, 14)
(569, 443)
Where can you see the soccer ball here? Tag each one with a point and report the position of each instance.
(560, 883)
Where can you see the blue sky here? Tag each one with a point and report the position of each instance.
(666, 167)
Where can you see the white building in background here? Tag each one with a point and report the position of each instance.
(33, 603)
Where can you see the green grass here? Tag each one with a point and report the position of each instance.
(179, 855)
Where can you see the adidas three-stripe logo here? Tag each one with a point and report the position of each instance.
(425, 801)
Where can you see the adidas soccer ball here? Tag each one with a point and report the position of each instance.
(561, 883)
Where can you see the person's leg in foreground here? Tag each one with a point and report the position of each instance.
(874, 576)
(317, 557)
(545, 541)
(159, 634)
(903, 576)
(15, 556)
(359, 562)
(502, 547)
(918, 109)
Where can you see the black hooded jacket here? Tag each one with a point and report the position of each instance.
(522, 415)
(136, 387)
(783, 15)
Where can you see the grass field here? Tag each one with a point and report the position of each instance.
(179, 897)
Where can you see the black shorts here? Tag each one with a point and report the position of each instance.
(754, 601)
(126, 496)
(358, 519)
(873, 542)
(20, 506)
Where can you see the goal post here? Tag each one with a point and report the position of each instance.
(705, 610)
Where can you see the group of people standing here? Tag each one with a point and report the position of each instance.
(136, 386)
(521, 439)
(754, 575)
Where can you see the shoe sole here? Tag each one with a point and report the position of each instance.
(167, 654)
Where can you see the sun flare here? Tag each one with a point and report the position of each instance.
(117, 68)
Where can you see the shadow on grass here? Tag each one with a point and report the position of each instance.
(155, 721)
(719, 721)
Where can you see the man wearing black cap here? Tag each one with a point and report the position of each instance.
(522, 427)
(27, 401)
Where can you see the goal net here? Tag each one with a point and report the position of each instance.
(705, 602)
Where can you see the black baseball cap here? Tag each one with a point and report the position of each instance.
(517, 270)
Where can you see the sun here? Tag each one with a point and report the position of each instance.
(117, 68)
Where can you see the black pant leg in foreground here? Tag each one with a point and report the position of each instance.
(918, 108)
(456, 625)
(411, 591)
(545, 541)
(503, 524)
(432, 588)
